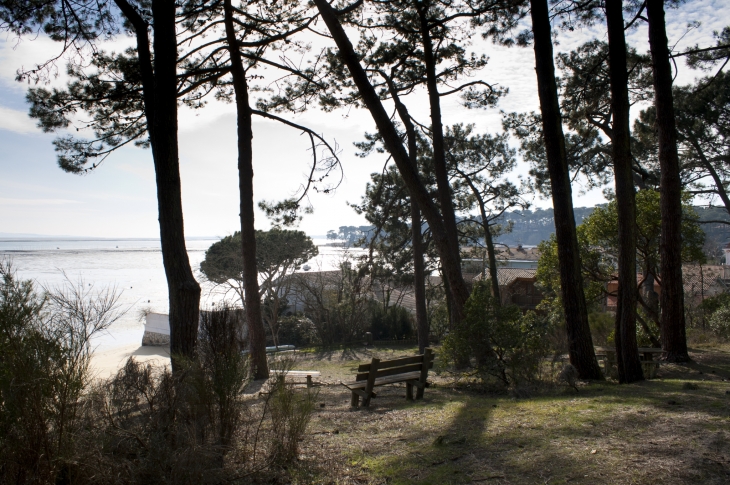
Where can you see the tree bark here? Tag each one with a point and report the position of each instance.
(627, 350)
(256, 332)
(491, 256)
(582, 354)
(673, 331)
(419, 273)
(159, 86)
(493, 271)
(650, 296)
(392, 142)
(419, 279)
(437, 132)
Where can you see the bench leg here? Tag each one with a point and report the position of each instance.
(374, 364)
(409, 391)
(309, 381)
(419, 392)
(355, 401)
(424, 373)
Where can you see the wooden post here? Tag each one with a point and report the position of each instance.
(355, 400)
(409, 391)
(424, 373)
(371, 382)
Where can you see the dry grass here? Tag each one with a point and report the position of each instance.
(659, 431)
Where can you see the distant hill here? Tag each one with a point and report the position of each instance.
(17, 235)
(532, 227)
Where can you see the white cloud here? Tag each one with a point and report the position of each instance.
(144, 172)
(16, 121)
(6, 201)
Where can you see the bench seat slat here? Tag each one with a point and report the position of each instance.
(393, 370)
(394, 363)
(384, 380)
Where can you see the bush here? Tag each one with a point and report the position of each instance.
(712, 304)
(720, 322)
(290, 415)
(438, 320)
(394, 322)
(44, 370)
(297, 330)
(148, 425)
(505, 345)
(143, 425)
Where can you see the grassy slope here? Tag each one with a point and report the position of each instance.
(675, 429)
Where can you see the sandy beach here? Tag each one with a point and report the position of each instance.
(107, 362)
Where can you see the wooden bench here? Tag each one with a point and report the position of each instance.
(411, 370)
(296, 374)
(648, 364)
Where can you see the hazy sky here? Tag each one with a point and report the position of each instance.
(119, 200)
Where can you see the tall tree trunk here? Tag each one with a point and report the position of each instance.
(673, 332)
(437, 132)
(419, 278)
(493, 271)
(159, 90)
(582, 355)
(419, 273)
(648, 293)
(184, 291)
(256, 332)
(392, 142)
(627, 350)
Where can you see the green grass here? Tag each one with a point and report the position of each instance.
(658, 431)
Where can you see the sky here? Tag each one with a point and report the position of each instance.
(118, 199)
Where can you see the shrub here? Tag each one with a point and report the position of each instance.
(720, 322)
(147, 424)
(290, 414)
(143, 425)
(438, 320)
(394, 322)
(710, 305)
(297, 330)
(44, 370)
(505, 345)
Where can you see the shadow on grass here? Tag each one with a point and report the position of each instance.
(459, 453)
(604, 434)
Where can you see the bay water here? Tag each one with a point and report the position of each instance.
(132, 267)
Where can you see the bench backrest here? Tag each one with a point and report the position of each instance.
(395, 367)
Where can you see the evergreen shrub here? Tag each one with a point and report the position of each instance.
(505, 346)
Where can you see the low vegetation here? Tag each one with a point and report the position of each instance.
(143, 425)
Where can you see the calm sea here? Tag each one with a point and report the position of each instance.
(132, 266)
